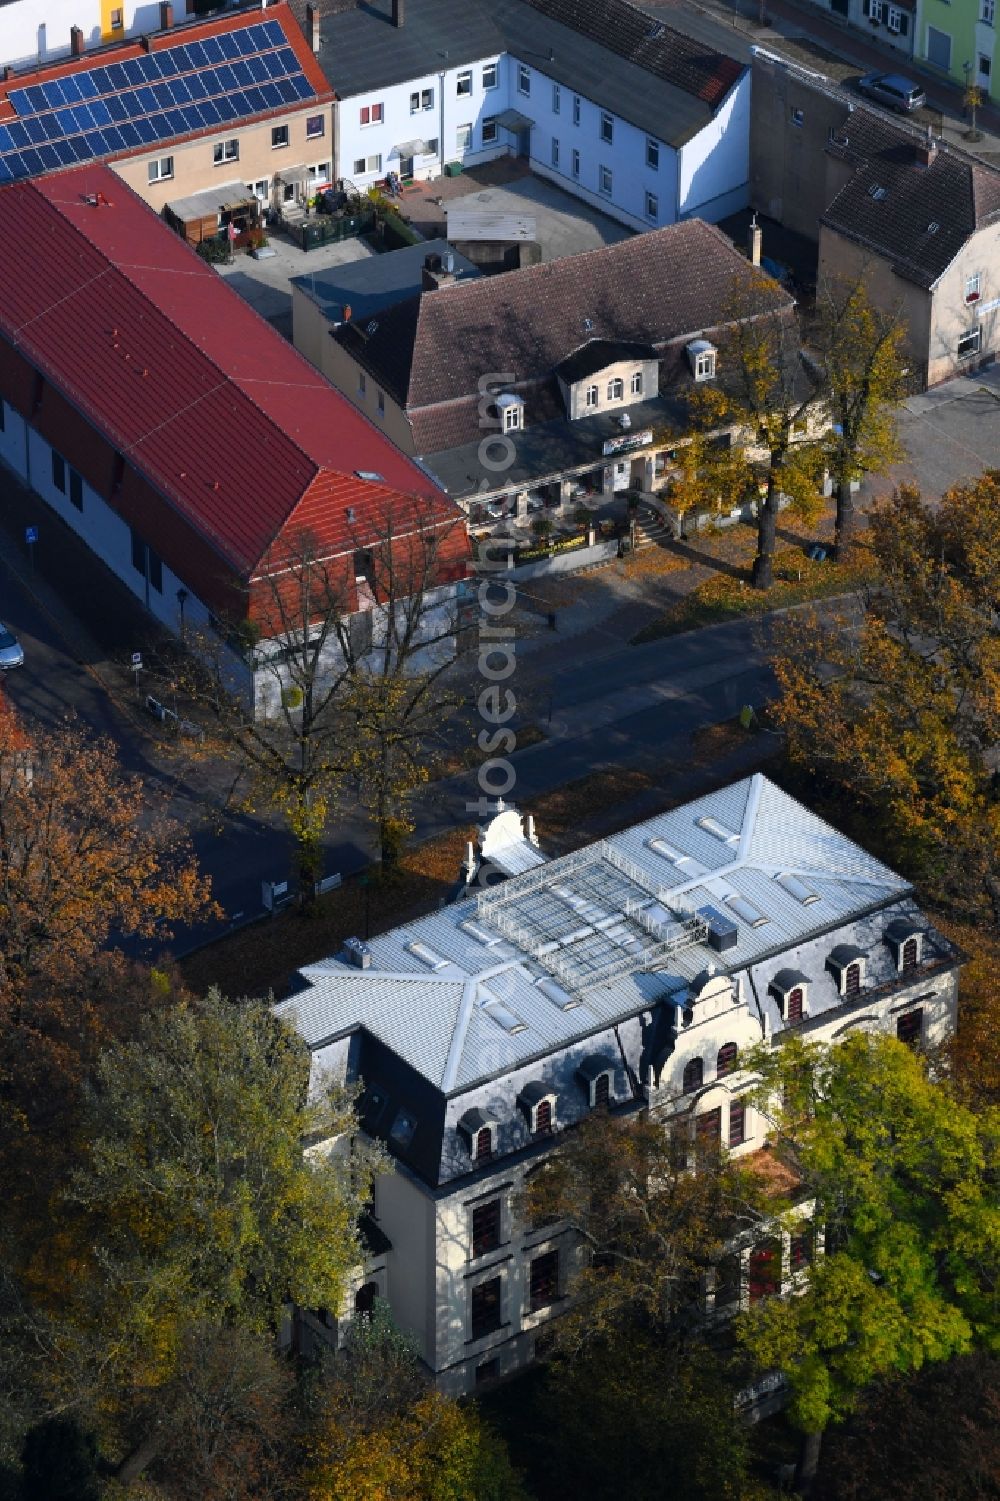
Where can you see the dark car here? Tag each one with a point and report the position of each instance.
(894, 91)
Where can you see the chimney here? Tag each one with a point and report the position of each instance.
(348, 313)
(438, 271)
(398, 12)
(312, 27)
(144, 43)
(8, 72)
(76, 41)
(166, 15)
(927, 149)
(756, 238)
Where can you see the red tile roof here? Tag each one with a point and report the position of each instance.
(239, 433)
(120, 52)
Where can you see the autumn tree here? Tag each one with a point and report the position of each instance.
(381, 1431)
(899, 711)
(765, 392)
(865, 379)
(650, 1227)
(84, 854)
(348, 653)
(194, 1208)
(902, 1178)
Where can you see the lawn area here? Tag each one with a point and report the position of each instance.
(724, 596)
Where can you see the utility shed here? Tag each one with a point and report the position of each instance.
(201, 215)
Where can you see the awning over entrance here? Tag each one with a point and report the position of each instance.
(512, 119)
(410, 148)
(291, 175)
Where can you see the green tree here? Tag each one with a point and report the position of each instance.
(861, 348)
(195, 1208)
(899, 713)
(902, 1176)
(766, 394)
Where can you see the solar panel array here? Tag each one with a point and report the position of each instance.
(177, 90)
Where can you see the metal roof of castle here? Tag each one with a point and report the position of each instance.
(541, 962)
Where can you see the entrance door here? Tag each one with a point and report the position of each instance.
(406, 166)
(524, 142)
(984, 67)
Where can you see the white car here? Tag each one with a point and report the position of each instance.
(11, 650)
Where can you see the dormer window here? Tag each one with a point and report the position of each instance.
(790, 988)
(537, 1103)
(597, 1074)
(637, 383)
(479, 1132)
(593, 396)
(616, 390)
(847, 965)
(511, 409)
(906, 942)
(701, 356)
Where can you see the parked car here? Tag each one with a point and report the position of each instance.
(11, 650)
(894, 91)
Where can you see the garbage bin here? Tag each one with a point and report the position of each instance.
(453, 169)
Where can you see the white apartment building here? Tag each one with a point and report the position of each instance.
(635, 119)
(632, 975)
(31, 33)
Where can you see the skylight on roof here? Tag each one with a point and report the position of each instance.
(745, 911)
(796, 888)
(488, 940)
(717, 830)
(555, 992)
(372, 475)
(686, 863)
(505, 1018)
(427, 956)
(877, 191)
(933, 227)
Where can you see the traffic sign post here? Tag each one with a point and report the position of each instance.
(137, 667)
(31, 537)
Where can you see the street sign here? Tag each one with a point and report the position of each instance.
(30, 535)
(137, 659)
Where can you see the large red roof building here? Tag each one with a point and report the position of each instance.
(181, 415)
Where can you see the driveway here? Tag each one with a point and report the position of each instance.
(951, 434)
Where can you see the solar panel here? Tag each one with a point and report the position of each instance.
(273, 33)
(149, 67)
(169, 65)
(36, 98)
(53, 94)
(213, 49)
(18, 134)
(100, 112)
(196, 86)
(303, 88)
(102, 82)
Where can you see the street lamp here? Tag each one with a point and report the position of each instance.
(182, 599)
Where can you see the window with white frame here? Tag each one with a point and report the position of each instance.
(489, 75)
(228, 151)
(485, 1307)
(576, 163)
(576, 109)
(415, 102)
(556, 99)
(365, 164)
(652, 154)
(652, 208)
(970, 343)
(555, 152)
(319, 173)
(315, 127)
(607, 127)
(372, 114)
(523, 79)
(897, 20)
(161, 169)
(463, 138)
(637, 383)
(489, 131)
(511, 410)
(972, 288)
(704, 364)
(592, 396)
(605, 181)
(421, 100)
(279, 137)
(987, 11)
(463, 84)
(616, 389)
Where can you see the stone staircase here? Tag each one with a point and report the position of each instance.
(650, 530)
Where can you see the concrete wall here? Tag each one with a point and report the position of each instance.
(714, 169)
(194, 169)
(31, 34)
(791, 177)
(311, 337)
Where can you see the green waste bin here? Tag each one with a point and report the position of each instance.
(453, 169)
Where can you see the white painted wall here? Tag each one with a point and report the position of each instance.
(30, 34)
(715, 165)
(440, 123)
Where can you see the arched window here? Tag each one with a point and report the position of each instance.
(694, 1075)
(852, 979)
(908, 958)
(484, 1144)
(364, 1300)
(793, 1005)
(726, 1062)
(543, 1116)
(616, 390)
(602, 1091)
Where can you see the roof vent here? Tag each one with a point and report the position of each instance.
(656, 31)
(358, 953)
(933, 227)
(877, 191)
(723, 933)
(588, 325)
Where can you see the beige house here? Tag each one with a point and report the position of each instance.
(632, 975)
(195, 105)
(919, 220)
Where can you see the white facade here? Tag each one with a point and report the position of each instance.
(633, 177)
(32, 34)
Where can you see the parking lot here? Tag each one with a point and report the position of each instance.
(950, 434)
